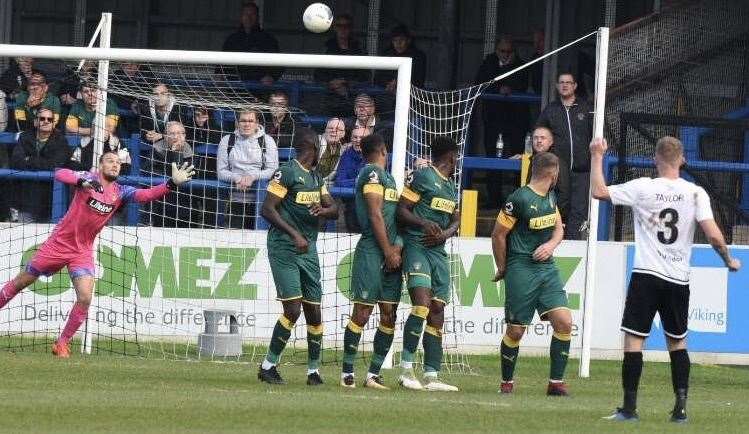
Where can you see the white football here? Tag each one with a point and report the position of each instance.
(317, 17)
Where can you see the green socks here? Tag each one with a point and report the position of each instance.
(281, 334)
(412, 332)
(383, 339)
(432, 349)
(509, 356)
(559, 352)
(350, 346)
(314, 346)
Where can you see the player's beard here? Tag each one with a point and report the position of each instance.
(108, 177)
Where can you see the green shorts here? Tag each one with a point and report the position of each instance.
(427, 268)
(295, 275)
(532, 287)
(370, 283)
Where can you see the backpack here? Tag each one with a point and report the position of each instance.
(260, 142)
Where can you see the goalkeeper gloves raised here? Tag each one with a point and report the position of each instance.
(180, 174)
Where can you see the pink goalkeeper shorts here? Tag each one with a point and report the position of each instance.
(47, 263)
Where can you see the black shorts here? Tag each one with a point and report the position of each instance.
(649, 294)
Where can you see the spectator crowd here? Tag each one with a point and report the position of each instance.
(243, 149)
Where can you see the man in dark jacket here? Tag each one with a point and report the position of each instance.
(570, 119)
(401, 45)
(502, 117)
(340, 81)
(250, 37)
(40, 149)
(14, 78)
(342, 44)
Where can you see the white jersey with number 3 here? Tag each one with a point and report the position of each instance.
(665, 213)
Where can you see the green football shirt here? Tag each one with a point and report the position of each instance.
(25, 113)
(435, 196)
(374, 179)
(299, 188)
(532, 218)
(81, 117)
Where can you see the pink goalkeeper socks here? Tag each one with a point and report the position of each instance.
(7, 293)
(78, 314)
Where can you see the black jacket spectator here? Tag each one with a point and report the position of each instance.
(201, 132)
(418, 66)
(256, 40)
(510, 119)
(282, 133)
(151, 120)
(572, 127)
(351, 75)
(32, 154)
(14, 78)
(570, 123)
(82, 157)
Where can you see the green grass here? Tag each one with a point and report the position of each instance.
(112, 394)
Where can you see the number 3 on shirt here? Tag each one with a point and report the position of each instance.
(669, 217)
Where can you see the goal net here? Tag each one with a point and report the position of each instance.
(163, 267)
(166, 271)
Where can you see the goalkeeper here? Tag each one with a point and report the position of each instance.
(96, 199)
(296, 200)
(375, 274)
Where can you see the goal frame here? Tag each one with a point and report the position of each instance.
(400, 64)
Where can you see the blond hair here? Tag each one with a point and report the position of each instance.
(669, 149)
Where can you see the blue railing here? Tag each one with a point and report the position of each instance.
(690, 138)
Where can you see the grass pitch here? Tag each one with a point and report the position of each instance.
(113, 394)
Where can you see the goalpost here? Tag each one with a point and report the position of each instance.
(178, 272)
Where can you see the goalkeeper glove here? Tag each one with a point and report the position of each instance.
(180, 174)
(91, 184)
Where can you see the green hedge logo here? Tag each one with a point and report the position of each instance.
(477, 279)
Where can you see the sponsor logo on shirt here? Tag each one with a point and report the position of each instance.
(308, 197)
(391, 194)
(100, 207)
(443, 205)
(543, 222)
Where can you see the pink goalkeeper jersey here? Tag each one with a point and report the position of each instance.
(90, 211)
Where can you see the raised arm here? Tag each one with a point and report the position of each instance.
(67, 176)
(598, 188)
(180, 175)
